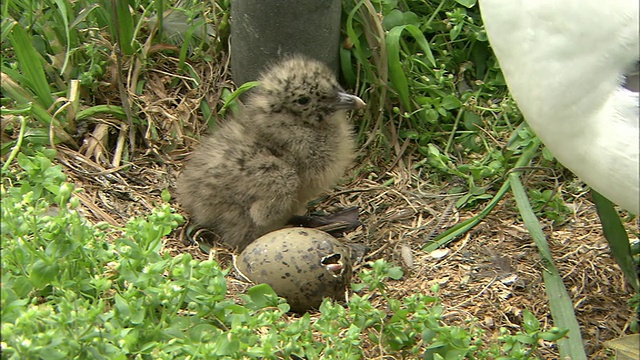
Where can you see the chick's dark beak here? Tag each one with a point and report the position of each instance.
(348, 102)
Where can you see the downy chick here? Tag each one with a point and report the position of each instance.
(291, 142)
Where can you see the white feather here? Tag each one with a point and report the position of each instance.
(564, 62)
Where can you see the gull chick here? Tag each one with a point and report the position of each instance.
(291, 142)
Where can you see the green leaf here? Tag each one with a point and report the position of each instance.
(360, 51)
(526, 339)
(124, 25)
(165, 195)
(226, 345)
(23, 97)
(5, 28)
(546, 154)
(559, 300)
(203, 332)
(43, 273)
(472, 121)
(62, 8)
(261, 296)
(347, 67)
(530, 323)
(22, 286)
(455, 31)
(396, 72)
(616, 236)
(395, 272)
(230, 101)
(393, 19)
(399, 18)
(451, 102)
(117, 111)
(31, 63)
(554, 334)
(138, 313)
(122, 307)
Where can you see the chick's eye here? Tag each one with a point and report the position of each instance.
(303, 100)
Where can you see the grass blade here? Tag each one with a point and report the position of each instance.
(117, 111)
(347, 67)
(359, 50)
(62, 7)
(461, 228)
(24, 98)
(124, 25)
(617, 238)
(18, 144)
(5, 28)
(83, 14)
(188, 39)
(160, 15)
(396, 73)
(559, 300)
(230, 102)
(31, 65)
(422, 42)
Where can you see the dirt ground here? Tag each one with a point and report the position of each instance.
(490, 274)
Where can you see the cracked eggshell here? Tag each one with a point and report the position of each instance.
(302, 265)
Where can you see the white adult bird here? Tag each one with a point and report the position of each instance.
(565, 63)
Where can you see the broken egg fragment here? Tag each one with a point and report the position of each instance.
(302, 265)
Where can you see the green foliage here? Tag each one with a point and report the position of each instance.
(438, 68)
(74, 290)
(58, 56)
(548, 204)
(50, 45)
(427, 66)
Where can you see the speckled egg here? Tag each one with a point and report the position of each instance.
(302, 265)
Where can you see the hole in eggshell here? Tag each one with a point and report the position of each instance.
(333, 264)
